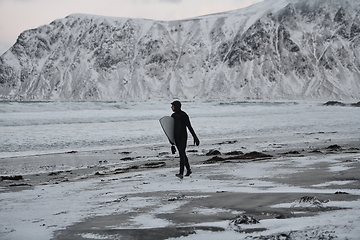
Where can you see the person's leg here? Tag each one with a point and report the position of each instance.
(181, 146)
(186, 163)
(182, 160)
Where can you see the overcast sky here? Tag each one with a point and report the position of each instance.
(17, 16)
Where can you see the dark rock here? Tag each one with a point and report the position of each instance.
(71, 152)
(334, 103)
(125, 153)
(155, 164)
(316, 151)
(163, 153)
(124, 170)
(241, 219)
(192, 151)
(19, 185)
(355, 104)
(292, 152)
(16, 178)
(228, 142)
(214, 160)
(234, 153)
(99, 174)
(182, 197)
(334, 147)
(280, 216)
(213, 152)
(244, 219)
(55, 173)
(255, 155)
(312, 201)
(339, 192)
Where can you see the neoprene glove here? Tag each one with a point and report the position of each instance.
(173, 149)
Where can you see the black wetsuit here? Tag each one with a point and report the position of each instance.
(182, 122)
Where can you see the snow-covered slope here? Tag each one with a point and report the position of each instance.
(276, 49)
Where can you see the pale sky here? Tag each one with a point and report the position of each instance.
(17, 16)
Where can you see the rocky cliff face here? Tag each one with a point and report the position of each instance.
(277, 49)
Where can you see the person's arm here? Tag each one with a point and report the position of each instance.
(188, 125)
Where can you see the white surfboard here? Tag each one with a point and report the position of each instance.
(167, 123)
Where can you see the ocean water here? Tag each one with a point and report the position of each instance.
(30, 128)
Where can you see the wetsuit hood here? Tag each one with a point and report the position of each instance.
(177, 106)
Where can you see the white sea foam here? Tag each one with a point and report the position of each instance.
(47, 127)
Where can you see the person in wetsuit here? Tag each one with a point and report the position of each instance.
(182, 122)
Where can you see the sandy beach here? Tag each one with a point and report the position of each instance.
(280, 170)
(298, 190)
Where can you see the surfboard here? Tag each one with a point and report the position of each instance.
(167, 123)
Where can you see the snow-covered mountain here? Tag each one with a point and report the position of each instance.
(276, 49)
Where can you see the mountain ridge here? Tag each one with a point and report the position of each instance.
(285, 49)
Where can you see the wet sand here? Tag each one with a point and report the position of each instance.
(235, 194)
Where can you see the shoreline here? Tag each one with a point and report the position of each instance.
(103, 163)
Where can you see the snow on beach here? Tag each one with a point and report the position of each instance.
(104, 171)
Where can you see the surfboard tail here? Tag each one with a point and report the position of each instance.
(167, 123)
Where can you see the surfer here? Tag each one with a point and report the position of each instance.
(182, 122)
